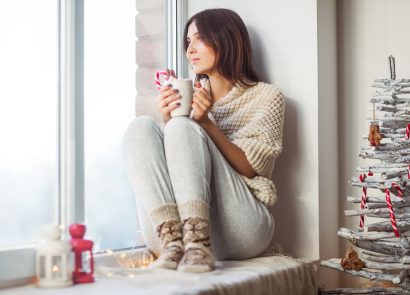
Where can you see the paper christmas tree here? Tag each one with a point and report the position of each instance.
(384, 244)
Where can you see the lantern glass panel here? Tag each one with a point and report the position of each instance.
(71, 262)
(56, 267)
(42, 266)
(68, 263)
(85, 261)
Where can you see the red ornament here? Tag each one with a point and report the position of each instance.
(81, 248)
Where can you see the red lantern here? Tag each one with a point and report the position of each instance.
(84, 261)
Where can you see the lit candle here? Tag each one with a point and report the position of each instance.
(52, 257)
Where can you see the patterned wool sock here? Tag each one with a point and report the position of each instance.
(198, 256)
(170, 234)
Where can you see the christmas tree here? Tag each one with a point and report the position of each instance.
(383, 245)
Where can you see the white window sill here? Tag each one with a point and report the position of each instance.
(264, 275)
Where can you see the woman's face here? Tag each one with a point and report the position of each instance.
(200, 56)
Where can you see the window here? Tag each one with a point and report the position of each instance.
(28, 118)
(109, 96)
(70, 76)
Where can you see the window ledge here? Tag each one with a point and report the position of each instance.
(263, 275)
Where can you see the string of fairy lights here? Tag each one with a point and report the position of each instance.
(124, 264)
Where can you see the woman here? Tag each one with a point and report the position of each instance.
(205, 180)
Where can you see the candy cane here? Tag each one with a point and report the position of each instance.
(408, 131)
(390, 207)
(157, 75)
(362, 177)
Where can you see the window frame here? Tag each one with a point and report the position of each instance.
(18, 262)
(180, 15)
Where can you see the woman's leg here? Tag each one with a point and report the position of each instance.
(189, 170)
(148, 174)
(145, 162)
(206, 186)
(241, 226)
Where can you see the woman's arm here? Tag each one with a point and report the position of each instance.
(201, 102)
(234, 155)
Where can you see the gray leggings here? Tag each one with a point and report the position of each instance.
(183, 164)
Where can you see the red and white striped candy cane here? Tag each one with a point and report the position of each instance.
(390, 207)
(157, 75)
(362, 177)
(398, 188)
(408, 132)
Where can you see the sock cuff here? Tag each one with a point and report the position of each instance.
(164, 213)
(196, 208)
(200, 246)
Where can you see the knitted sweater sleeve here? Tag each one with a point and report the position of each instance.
(261, 139)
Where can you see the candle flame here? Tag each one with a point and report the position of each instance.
(55, 268)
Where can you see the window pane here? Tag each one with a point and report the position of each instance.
(28, 118)
(109, 106)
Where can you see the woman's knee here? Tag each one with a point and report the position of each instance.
(182, 128)
(140, 128)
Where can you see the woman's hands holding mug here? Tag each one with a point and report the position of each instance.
(201, 103)
(167, 96)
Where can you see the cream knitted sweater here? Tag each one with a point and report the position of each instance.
(252, 118)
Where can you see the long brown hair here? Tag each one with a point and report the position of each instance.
(224, 31)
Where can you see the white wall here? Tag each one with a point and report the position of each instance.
(295, 49)
(284, 36)
(328, 139)
(368, 32)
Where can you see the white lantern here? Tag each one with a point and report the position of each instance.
(53, 259)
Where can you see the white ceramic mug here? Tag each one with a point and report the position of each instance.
(186, 90)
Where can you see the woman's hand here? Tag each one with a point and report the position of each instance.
(201, 103)
(166, 97)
